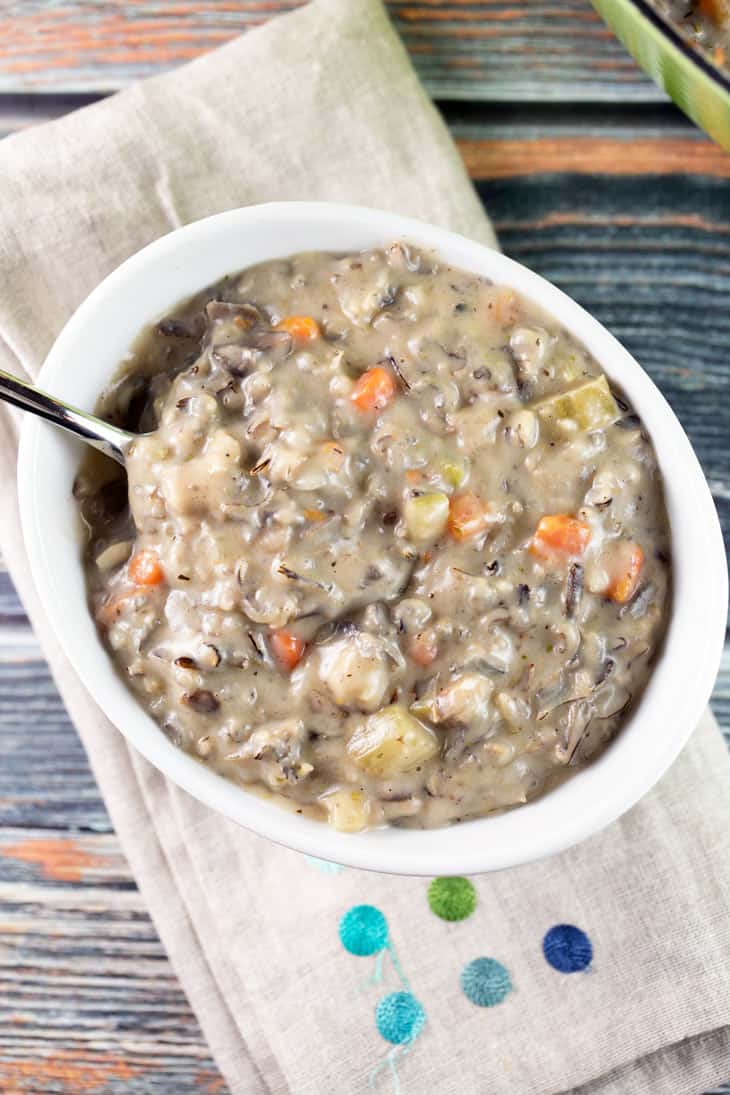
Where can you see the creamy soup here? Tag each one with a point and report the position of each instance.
(392, 548)
(705, 23)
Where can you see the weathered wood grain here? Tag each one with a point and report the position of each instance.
(589, 155)
(23, 109)
(462, 49)
(599, 203)
(88, 1001)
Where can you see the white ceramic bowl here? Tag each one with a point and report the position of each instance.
(87, 353)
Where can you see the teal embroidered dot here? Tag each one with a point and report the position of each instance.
(324, 865)
(485, 982)
(567, 948)
(399, 1018)
(363, 930)
(452, 898)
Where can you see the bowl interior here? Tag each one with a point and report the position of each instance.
(88, 352)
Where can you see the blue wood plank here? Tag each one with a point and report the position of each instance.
(651, 258)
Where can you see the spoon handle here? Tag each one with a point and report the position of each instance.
(108, 439)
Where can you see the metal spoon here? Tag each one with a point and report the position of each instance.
(108, 439)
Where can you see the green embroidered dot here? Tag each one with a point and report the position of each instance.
(452, 898)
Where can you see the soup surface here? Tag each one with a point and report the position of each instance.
(391, 551)
(705, 23)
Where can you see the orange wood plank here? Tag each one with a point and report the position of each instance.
(504, 159)
(62, 859)
(64, 1068)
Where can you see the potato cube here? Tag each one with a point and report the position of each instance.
(590, 406)
(391, 741)
(355, 672)
(347, 811)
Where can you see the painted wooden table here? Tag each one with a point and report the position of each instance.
(593, 179)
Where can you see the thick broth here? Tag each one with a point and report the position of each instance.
(394, 552)
(704, 23)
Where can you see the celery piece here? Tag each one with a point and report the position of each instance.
(426, 515)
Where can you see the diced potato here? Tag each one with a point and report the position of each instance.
(354, 671)
(195, 485)
(524, 429)
(347, 811)
(426, 516)
(590, 406)
(391, 741)
(466, 698)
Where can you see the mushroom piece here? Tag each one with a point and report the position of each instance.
(230, 310)
(276, 746)
(466, 699)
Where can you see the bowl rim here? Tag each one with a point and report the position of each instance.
(582, 805)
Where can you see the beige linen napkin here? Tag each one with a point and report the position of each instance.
(284, 978)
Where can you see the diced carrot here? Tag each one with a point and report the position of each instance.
(625, 565)
(301, 328)
(424, 648)
(413, 476)
(287, 648)
(374, 389)
(717, 11)
(315, 515)
(559, 534)
(468, 516)
(144, 568)
(506, 307)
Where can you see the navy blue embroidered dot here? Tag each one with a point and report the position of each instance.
(567, 948)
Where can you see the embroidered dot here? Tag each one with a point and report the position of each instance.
(452, 898)
(485, 982)
(399, 1017)
(363, 930)
(567, 948)
(324, 865)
